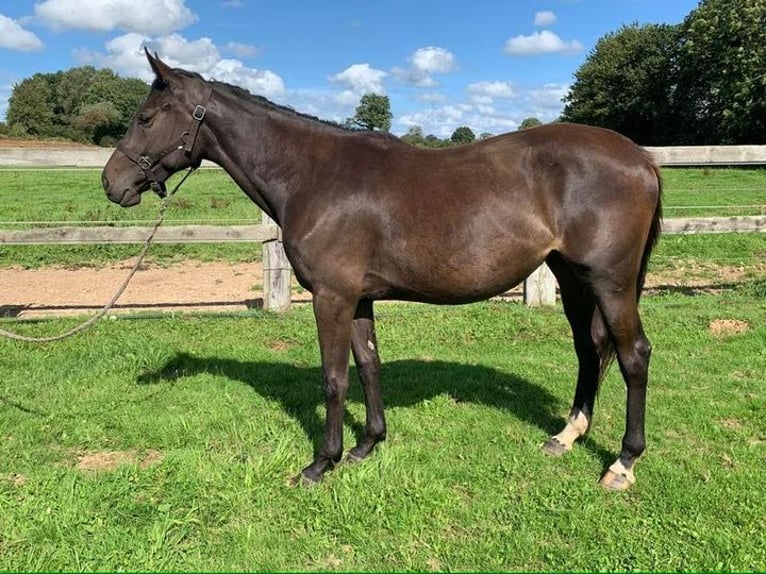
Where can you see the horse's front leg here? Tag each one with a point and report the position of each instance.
(334, 315)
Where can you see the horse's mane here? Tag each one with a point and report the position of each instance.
(245, 96)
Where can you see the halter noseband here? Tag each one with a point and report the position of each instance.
(148, 163)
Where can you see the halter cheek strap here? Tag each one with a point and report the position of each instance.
(185, 142)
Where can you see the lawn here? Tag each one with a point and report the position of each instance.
(168, 444)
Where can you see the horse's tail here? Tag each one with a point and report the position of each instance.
(654, 229)
(608, 354)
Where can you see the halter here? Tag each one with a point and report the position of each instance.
(148, 163)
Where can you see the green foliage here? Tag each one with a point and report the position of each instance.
(373, 113)
(414, 136)
(527, 123)
(722, 85)
(462, 135)
(626, 84)
(83, 104)
(31, 106)
(701, 82)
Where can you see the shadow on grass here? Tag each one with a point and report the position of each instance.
(404, 384)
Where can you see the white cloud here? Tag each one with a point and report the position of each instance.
(14, 37)
(125, 54)
(442, 121)
(241, 50)
(432, 98)
(545, 103)
(424, 63)
(144, 16)
(262, 82)
(492, 90)
(543, 42)
(492, 106)
(545, 18)
(361, 79)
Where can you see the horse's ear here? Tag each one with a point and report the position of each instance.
(163, 72)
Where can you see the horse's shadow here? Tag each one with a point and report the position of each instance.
(404, 384)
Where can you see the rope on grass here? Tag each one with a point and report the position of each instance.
(99, 315)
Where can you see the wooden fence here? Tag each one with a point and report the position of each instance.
(539, 287)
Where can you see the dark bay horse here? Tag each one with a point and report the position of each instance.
(366, 217)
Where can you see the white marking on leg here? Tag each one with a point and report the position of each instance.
(576, 427)
(370, 345)
(627, 473)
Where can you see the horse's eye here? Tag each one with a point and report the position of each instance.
(144, 119)
(165, 106)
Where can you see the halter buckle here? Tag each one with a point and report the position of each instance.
(199, 113)
(144, 163)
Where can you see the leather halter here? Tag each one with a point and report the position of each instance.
(148, 163)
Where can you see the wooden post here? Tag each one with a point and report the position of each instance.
(540, 287)
(276, 273)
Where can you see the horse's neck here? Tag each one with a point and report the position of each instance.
(258, 152)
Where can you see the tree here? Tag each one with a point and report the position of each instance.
(414, 136)
(463, 135)
(527, 123)
(83, 104)
(721, 92)
(30, 107)
(372, 113)
(627, 82)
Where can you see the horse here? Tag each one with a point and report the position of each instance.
(366, 217)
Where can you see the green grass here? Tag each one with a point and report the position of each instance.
(694, 192)
(51, 197)
(231, 408)
(210, 196)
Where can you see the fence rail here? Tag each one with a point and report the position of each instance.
(95, 157)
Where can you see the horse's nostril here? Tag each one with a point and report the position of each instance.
(105, 182)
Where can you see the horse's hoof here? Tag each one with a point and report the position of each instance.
(615, 482)
(351, 458)
(554, 447)
(304, 480)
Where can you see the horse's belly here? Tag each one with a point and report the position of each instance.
(451, 280)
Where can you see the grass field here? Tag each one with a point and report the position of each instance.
(33, 196)
(167, 444)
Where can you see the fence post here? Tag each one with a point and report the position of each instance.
(540, 287)
(276, 273)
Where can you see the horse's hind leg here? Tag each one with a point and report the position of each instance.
(364, 346)
(591, 345)
(620, 311)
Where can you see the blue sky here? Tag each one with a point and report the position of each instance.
(487, 64)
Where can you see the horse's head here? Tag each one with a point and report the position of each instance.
(162, 138)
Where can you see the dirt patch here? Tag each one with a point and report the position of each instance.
(112, 459)
(701, 277)
(280, 345)
(189, 286)
(17, 480)
(194, 286)
(722, 328)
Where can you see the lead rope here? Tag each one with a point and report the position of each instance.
(92, 320)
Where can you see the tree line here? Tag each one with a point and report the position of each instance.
(699, 82)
